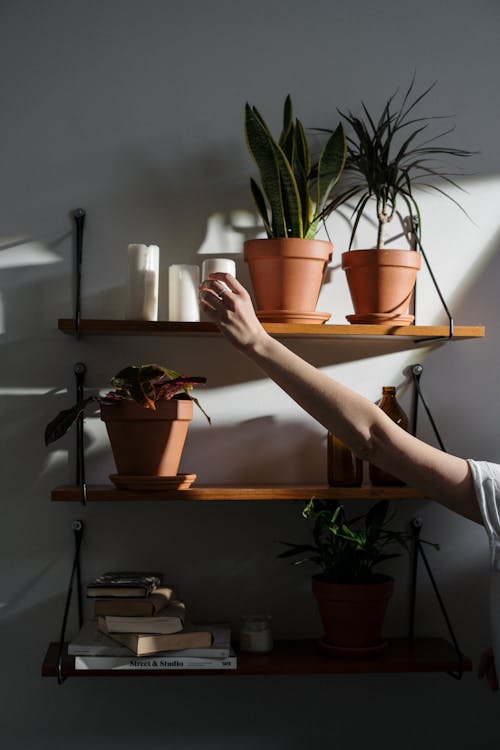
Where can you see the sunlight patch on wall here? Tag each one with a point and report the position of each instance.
(26, 254)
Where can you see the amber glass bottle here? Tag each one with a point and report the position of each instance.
(390, 405)
(344, 469)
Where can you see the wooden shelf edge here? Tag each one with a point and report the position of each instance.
(141, 327)
(108, 493)
(299, 657)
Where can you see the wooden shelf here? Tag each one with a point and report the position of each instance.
(298, 657)
(169, 328)
(105, 493)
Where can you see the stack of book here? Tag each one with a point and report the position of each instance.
(140, 624)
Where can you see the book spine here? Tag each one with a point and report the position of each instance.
(165, 664)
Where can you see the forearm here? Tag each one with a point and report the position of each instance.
(369, 433)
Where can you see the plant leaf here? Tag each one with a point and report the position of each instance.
(63, 421)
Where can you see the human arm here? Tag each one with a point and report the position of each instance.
(359, 423)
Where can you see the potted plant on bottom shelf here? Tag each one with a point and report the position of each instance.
(147, 415)
(386, 160)
(287, 268)
(352, 595)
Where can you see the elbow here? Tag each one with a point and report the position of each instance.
(367, 444)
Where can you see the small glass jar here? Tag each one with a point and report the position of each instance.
(255, 633)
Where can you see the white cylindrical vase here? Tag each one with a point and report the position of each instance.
(143, 279)
(217, 265)
(183, 282)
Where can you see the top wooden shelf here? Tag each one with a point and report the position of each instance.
(170, 328)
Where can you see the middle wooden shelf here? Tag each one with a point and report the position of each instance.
(105, 493)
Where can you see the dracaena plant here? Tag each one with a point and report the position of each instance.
(388, 157)
(146, 385)
(348, 550)
(292, 198)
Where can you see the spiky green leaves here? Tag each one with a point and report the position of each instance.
(283, 200)
(386, 160)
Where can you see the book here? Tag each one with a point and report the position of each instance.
(124, 583)
(143, 644)
(156, 662)
(170, 619)
(134, 606)
(89, 641)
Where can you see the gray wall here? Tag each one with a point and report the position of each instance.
(133, 110)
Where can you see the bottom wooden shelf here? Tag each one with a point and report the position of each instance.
(297, 657)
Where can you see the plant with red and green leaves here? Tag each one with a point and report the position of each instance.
(146, 385)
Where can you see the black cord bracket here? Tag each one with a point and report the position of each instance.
(79, 370)
(77, 527)
(79, 217)
(416, 240)
(416, 526)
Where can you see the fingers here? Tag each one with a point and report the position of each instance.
(230, 281)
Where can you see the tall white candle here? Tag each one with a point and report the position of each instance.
(143, 278)
(183, 281)
(217, 265)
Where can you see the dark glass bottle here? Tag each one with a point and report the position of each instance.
(344, 469)
(390, 405)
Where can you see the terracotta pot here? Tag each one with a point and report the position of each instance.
(147, 442)
(287, 274)
(353, 615)
(381, 284)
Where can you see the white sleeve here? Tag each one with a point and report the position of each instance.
(486, 478)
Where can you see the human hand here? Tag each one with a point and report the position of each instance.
(487, 669)
(228, 304)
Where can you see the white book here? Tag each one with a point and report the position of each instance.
(91, 642)
(170, 619)
(156, 662)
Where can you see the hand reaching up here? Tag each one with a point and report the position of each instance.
(228, 304)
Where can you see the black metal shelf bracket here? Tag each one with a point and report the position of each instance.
(79, 370)
(416, 526)
(416, 239)
(416, 372)
(79, 217)
(77, 527)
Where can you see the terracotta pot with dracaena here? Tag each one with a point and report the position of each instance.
(351, 593)
(147, 415)
(387, 159)
(287, 268)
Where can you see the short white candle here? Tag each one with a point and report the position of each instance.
(217, 265)
(183, 281)
(143, 278)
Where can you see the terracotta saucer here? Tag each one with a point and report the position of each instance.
(346, 652)
(291, 316)
(381, 318)
(152, 484)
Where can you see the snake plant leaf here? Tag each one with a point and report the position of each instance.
(287, 133)
(261, 144)
(63, 421)
(330, 166)
(289, 195)
(261, 206)
(301, 168)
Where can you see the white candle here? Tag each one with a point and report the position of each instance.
(217, 265)
(143, 277)
(183, 281)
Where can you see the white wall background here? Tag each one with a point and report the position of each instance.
(134, 111)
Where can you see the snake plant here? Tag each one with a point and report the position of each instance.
(292, 198)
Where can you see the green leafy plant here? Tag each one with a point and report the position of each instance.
(146, 385)
(348, 551)
(289, 187)
(386, 161)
